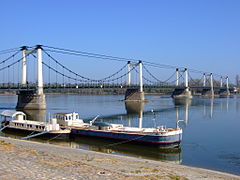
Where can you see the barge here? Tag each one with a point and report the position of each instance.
(160, 136)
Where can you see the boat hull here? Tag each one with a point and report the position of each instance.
(26, 132)
(159, 140)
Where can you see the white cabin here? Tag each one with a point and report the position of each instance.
(9, 115)
(34, 125)
(17, 119)
(69, 119)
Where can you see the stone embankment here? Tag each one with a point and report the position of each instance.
(32, 160)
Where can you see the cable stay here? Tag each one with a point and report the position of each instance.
(86, 54)
(8, 51)
(158, 81)
(5, 60)
(195, 81)
(8, 66)
(87, 79)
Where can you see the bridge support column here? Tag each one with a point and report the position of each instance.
(39, 71)
(208, 92)
(212, 91)
(221, 82)
(177, 77)
(24, 66)
(227, 85)
(140, 77)
(136, 94)
(33, 99)
(225, 92)
(204, 80)
(182, 92)
(129, 73)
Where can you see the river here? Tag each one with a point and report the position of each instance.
(211, 127)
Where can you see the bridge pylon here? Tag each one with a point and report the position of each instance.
(135, 94)
(208, 92)
(224, 91)
(32, 99)
(182, 91)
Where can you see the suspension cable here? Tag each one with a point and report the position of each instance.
(8, 51)
(82, 53)
(8, 66)
(5, 60)
(108, 77)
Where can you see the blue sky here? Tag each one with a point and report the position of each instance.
(198, 34)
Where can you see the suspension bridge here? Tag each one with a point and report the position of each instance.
(30, 71)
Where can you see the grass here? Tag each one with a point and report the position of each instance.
(155, 170)
(173, 177)
(5, 145)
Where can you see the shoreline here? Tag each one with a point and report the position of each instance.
(22, 159)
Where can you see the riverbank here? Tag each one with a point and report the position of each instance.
(32, 160)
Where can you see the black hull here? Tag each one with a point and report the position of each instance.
(24, 133)
(124, 138)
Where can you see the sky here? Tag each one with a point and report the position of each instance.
(198, 34)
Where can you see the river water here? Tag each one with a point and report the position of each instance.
(211, 127)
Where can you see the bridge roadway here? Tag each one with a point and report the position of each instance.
(16, 87)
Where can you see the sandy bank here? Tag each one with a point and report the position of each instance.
(31, 160)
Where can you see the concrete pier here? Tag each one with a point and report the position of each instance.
(182, 93)
(30, 100)
(224, 93)
(208, 93)
(134, 95)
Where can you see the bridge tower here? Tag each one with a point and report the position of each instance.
(182, 91)
(31, 99)
(224, 91)
(208, 92)
(135, 94)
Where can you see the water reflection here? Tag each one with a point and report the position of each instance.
(208, 112)
(149, 152)
(135, 108)
(186, 103)
(206, 104)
